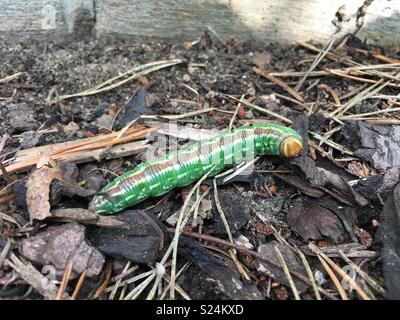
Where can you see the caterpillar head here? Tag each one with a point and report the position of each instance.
(291, 146)
(101, 204)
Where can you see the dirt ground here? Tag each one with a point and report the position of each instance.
(326, 205)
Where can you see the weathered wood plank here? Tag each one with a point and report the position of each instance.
(266, 20)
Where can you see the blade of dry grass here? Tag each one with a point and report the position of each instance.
(334, 279)
(321, 54)
(258, 108)
(309, 273)
(360, 79)
(232, 252)
(343, 274)
(78, 286)
(252, 253)
(119, 279)
(374, 284)
(332, 144)
(64, 281)
(106, 281)
(235, 114)
(139, 289)
(178, 288)
(182, 220)
(111, 84)
(287, 273)
(130, 280)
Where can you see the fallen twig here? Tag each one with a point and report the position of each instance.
(363, 275)
(259, 109)
(64, 281)
(279, 82)
(112, 84)
(252, 253)
(105, 282)
(81, 150)
(78, 286)
(287, 273)
(321, 54)
(337, 269)
(232, 252)
(348, 76)
(34, 278)
(11, 77)
(332, 92)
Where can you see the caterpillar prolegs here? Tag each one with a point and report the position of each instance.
(178, 169)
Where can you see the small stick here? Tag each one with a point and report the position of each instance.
(131, 280)
(7, 198)
(332, 92)
(331, 143)
(184, 115)
(117, 279)
(309, 273)
(33, 277)
(348, 76)
(273, 171)
(106, 281)
(108, 85)
(287, 273)
(322, 53)
(240, 170)
(235, 114)
(78, 150)
(252, 253)
(178, 288)
(9, 219)
(289, 99)
(11, 77)
(360, 115)
(78, 286)
(221, 212)
(279, 82)
(365, 94)
(3, 141)
(335, 280)
(64, 282)
(139, 289)
(343, 274)
(259, 109)
(383, 121)
(363, 275)
(378, 56)
(179, 227)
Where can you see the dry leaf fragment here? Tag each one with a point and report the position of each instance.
(38, 190)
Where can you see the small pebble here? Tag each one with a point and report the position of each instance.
(71, 128)
(29, 139)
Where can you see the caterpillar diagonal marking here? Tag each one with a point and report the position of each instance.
(180, 168)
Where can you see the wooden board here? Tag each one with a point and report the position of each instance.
(282, 21)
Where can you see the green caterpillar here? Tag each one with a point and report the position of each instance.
(178, 169)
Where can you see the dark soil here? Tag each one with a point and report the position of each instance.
(56, 68)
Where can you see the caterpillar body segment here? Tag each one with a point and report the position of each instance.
(180, 168)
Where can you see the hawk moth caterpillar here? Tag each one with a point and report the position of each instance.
(180, 168)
